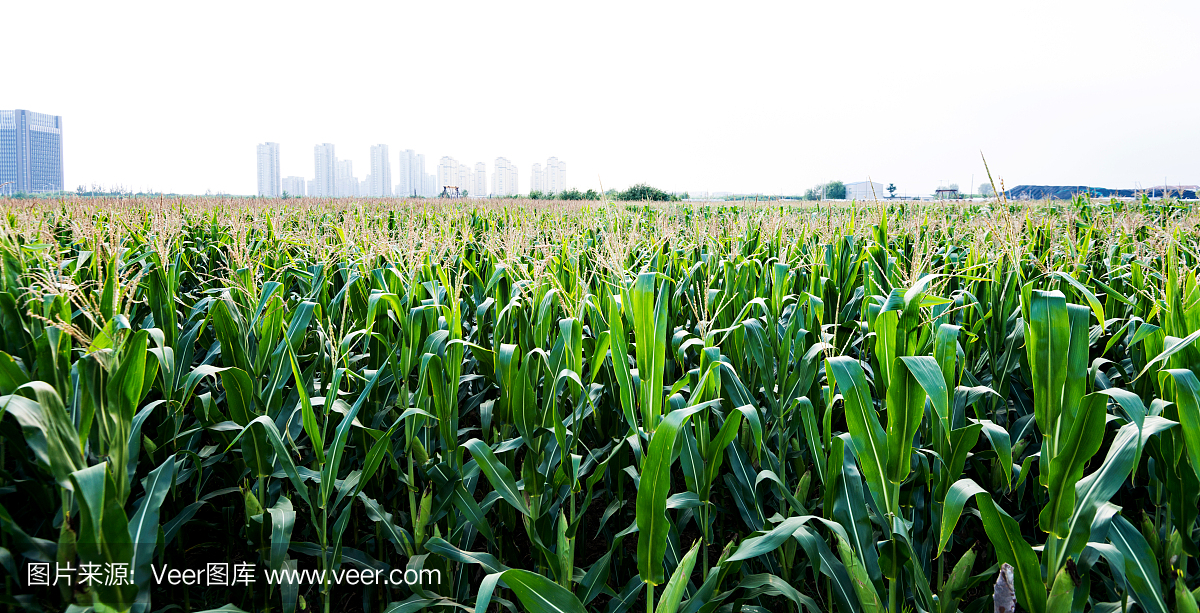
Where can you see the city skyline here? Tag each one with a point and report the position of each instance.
(334, 176)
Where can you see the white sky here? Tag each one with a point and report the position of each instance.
(731, 96)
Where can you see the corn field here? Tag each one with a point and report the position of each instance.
(561, 407)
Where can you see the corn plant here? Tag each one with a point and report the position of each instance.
(539, 406)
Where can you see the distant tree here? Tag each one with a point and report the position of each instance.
(986, 190)
(286, 195)
(537, 195)
(464, 193)
(684, 196)
(611, 193)
(835, 190)
(591, 195)
(891, 189)
(570, 194)
(641, 191)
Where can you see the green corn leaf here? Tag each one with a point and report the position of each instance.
(1187, 402)
(619, 354)
(1082, 442)
(650, 330)
(239, 396)
(1047, 335)
(651, 515)
(956, 498)
(771, 540)
(868, 598)
(48, 430)
(103, 531)
(1141, 569)
(283, 519)
(672, 594)
(1001, 443)
(233, 341)
(906, 409)
(1092, 300)
(536, 593)
(870, 441)
(307, 415)
(281, 452)
(831, 567)
(1171, 349)
(497, 474)
(929, 374)
(144, 525)
(1094, 491)
(850, 510)
(487, 561)
(812, 436)
(962, 441)
(1012, 548)
(337, 446)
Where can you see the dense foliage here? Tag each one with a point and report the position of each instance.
(833, 190)
(569, 407)
(642, 192)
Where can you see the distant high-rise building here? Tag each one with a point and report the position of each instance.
(325, 171)
(537, 179)
(268, 171)
(556, 176)
(312, 187)
(447, 173)
(429, 181)
(422, 184)
(31, 157)
(294, 186)
(347, 185)
(465, 178)
(364, 187)
(479, 188)
(504, 178)
(381, 172)
(403, 180)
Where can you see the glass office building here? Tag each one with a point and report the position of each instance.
(31, 159)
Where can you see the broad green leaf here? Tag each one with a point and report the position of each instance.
(144, 525)
(536, 593)
(1187, 402)
(1047, 335)
(1012, 548)
(956, 497)
(905, 409)
(497, 474)
(932, 379)
(1082, 442)
(870, 441)
(672, 594)
(1141, 569)
(651, 508)
(868, 598)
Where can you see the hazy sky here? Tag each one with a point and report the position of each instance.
(731, 96)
